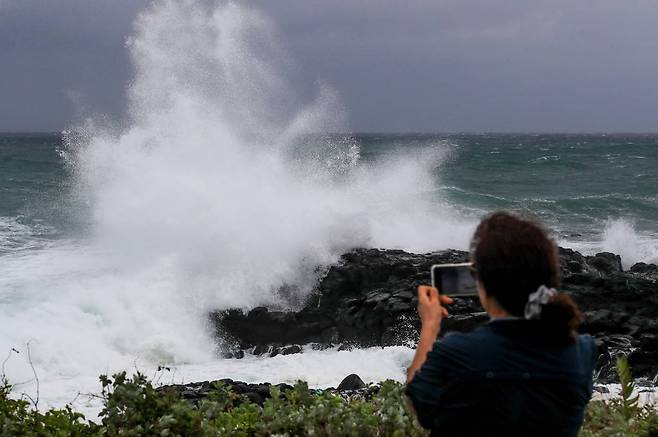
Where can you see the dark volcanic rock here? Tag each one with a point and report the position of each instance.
(643, 268)
(351, 382)
(195, 392)
(259, 350)
(350, 388)
(606, 262)
(369, 298)
(289, 350)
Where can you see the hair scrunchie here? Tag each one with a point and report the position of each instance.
(536, 300)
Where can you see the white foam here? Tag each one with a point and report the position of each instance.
(16, 236)
(320, 369)
(620, 237)
(647, 396)
(206, 200)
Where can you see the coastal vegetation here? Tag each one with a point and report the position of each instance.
(132, 406)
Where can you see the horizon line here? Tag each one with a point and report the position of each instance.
(364, 133)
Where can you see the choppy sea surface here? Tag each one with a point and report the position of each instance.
(88, 296)
(595, 192)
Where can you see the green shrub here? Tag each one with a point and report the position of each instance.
(621, 416)
(608, 419)
(629, 403)
(133, 407)
(19, 418)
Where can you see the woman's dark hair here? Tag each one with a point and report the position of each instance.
(512, 257)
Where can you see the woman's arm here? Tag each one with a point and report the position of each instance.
(431, 313)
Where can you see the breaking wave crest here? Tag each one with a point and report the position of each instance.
(217, 192)
(620, 237)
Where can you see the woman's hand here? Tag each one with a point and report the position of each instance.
(430, 309)
(431, 312)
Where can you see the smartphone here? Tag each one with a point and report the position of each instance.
(454, 280)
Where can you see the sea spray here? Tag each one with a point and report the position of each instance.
(218, 190)
(219, 172)
(620, 237)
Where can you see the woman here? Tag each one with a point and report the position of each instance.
(527, 372)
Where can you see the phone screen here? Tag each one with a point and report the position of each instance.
(454, 279)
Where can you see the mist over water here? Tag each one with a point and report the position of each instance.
(215, 194)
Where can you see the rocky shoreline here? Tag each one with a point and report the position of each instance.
(368, 299)
(352, 386)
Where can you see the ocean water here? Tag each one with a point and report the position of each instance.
(118, 238)
(594, 192)
(89, 303)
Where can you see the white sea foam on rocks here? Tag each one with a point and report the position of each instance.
(620, 237)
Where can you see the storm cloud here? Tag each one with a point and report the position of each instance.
(413, 66)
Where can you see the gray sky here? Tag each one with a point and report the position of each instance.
(408, 66)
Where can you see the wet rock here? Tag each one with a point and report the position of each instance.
(195, 392)
(369, 299)
(258, 312)
(240, 388)
(321, 346)
(606, 262)
(351, 382)
(352, 388)
(601, 389)
(405, 295)
(604, 320)
(643, 267)
(289, 350)
(330, 335)
(263, 390)
(255, 398)
(234, 354)
(284, 387)
(646, 271)
(260, 350)
(361, 300)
